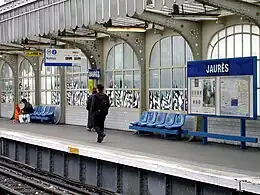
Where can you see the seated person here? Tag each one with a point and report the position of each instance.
(26, 111)
(16, 114)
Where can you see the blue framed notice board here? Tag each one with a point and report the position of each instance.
(223, 87)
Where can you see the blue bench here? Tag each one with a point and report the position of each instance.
(162, 123)
(44, 114)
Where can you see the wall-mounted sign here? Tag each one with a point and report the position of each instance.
(94, 74)
(63, 57)
(33, 53)
(223, 87)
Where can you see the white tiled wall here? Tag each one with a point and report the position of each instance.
(118, 118)
(232, 127)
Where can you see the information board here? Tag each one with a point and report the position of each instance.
(62, 57)
(223, 87)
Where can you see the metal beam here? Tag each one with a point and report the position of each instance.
(191, 31)
(243, 8)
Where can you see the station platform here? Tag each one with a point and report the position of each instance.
(221, 165)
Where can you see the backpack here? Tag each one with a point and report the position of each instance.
(102, 105)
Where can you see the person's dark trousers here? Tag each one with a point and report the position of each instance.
(90, 121)
(99, 126)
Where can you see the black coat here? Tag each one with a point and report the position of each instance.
(90, 113)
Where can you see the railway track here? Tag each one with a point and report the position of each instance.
(17, 179)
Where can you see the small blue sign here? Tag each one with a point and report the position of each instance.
(54, 52)
(221, 67)
(94, 74)
(234, 102)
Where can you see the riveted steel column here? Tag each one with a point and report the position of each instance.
(63, 95)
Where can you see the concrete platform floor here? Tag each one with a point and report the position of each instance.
(214, 156)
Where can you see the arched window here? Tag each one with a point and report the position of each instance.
(237, 41)
(167, 74)
(123, 77)
(50, 85)
(77, 83)
(27, 81)
(7, 84)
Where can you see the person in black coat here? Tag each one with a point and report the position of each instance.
(90, 124)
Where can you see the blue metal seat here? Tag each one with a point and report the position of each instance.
(170, 118)
(160, 119)
(43, 108)
(50, 112)
(143, 118)
(37, 110)
(43, 113)
(150, 119)
(178, 123)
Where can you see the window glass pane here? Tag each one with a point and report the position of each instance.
(155, 56)
(111, 59)
(43, 87)
(76, 81)
(215, 52)
(154, 78)
(165, 100)
(230, 30)
(222, 34)
(119, 56)
(109, 80)
(48, 83)
(43, 98)
(165, 78)
(222, 48)
(85, 65)
(238, 45)
(48, 70)
(136, 63)
(31, 83)
(189, 55)
(84, 81)
(246, 28)
(238, 28)
(128, 79)
(230, 46)
(178, 51)
(255, 46)
(246, 45)
(209, 52)
(76, 68)
(128, 57)
(154, 100)
(48, 98)
(118, 80)
(166, 51)
(214, 40)
(178, 78)
(255, 29)
(137, 80)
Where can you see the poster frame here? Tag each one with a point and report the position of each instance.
(253, 61)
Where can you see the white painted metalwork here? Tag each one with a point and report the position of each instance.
(26, 18)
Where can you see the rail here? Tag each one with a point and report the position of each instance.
(17, 178)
